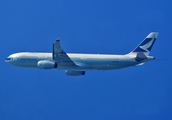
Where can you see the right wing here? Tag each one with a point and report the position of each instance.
(60, 56)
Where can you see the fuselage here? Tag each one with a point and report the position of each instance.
(83, 61)
(77, 64)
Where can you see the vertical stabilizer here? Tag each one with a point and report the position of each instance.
(146, 45)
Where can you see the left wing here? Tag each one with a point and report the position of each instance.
(60, 56)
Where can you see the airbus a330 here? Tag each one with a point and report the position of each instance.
(77, 64)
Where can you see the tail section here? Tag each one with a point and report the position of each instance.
(146, 45)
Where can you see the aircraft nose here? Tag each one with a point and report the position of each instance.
(8, 59)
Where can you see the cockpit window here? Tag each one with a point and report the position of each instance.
(9, 59)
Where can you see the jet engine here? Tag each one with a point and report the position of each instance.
(74, 73)
(45, 64)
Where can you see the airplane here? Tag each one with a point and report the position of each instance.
(77, 64)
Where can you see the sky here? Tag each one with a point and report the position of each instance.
(91, 26)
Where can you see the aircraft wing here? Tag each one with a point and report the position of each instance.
(60, 56)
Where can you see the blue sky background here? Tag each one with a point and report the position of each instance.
(91, 26)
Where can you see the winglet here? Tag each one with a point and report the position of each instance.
(58, 39)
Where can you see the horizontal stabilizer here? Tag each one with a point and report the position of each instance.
(140, 64)
(140, 57)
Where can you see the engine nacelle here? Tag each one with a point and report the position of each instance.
(45, 64)
(74, 73)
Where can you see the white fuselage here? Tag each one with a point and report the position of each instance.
(77, 64)
(84, 61)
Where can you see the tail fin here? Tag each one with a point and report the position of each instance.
(146, 45)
